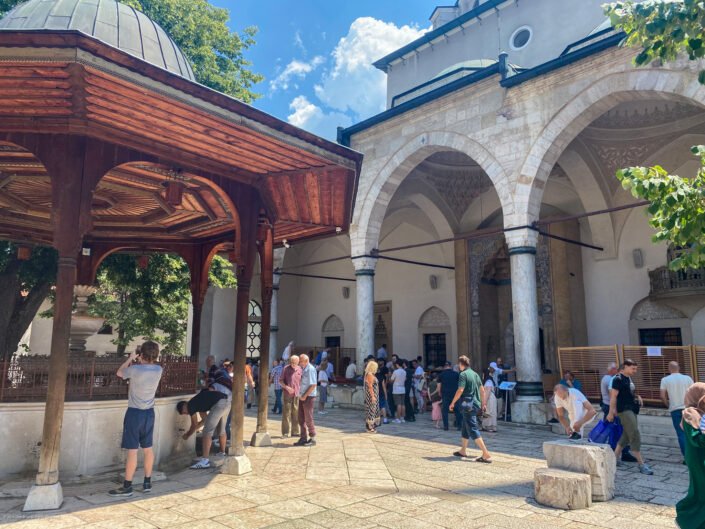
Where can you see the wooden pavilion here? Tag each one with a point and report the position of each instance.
(108, 144)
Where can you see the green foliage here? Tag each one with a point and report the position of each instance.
(201, 31)
(151, 302)
(677, 209)
(662, 29)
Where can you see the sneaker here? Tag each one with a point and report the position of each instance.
(397, 421)
(311, 442)
(221, 454)
(301, 442)
(620, 464)
(628, 458)
(385, 421)
(146, 488)
(645, 469)
(575, 436)
(403, 420)
(553, 421)
(201, 463)
(122, 492)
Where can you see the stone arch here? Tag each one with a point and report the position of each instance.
(371, 208)
(434, 317)
(333, 324)
(582, 110)
(333, 329)
(434, 330)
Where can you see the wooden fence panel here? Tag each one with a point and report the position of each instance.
(589, 365)
(653, 368)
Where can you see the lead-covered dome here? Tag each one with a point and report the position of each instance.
(113, 23)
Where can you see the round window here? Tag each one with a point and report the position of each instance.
(520, 38)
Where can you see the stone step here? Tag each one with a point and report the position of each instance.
(658, 433)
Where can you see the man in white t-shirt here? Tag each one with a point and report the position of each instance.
(580, 411)
(673, 388)
(351, 371)
(399, 390)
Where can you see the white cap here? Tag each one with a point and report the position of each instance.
(493, 365)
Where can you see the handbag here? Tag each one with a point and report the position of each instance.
(607, 432)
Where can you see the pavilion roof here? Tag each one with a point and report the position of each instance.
(64, 82)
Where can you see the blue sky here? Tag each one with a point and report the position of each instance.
(316, 54)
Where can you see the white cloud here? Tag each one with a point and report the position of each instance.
(353, 84)
(308, 116)
(295, 70)
(299, 42)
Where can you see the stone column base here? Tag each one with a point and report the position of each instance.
(44, 498)
(236, 465)
(261, 439)
(528, 412)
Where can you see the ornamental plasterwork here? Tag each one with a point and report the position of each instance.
(480, 251)
(543, 275)
(333, 324)
(647, 114)
(648, 309)
(458, 186)
(434, 317)
(615, 157)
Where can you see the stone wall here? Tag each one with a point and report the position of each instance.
(91, 438)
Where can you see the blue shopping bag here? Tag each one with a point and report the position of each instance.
(607, 432)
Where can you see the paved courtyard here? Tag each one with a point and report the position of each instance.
(403, 477)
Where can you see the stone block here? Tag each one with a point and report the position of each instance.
(236, 465)
(562, 489)
(261, 439)
(527, 412)
(44, 498)
(596, 460)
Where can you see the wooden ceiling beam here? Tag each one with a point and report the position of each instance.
(202, 202)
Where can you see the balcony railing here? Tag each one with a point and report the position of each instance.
(25, 378)
(666, 281)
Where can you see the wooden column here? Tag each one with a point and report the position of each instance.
(266, 255)
(65, 158)
(246, 260)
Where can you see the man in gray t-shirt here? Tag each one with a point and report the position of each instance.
(138, 427)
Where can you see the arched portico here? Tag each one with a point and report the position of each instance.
(583, 109)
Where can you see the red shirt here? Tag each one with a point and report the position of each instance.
(291, 377)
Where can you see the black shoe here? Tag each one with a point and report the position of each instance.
(628, 458)
(311, 442)
(445, 429)
(146, 488)
(553, 421)
(123, 492)
(249, 406)
(301, 442)
(575, 436)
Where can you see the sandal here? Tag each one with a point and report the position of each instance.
(483, 460)
(458, 454)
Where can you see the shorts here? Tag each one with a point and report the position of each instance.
(631, 436)
(137, 428)
(471, 428)
(323, 394)
(217, 417)
(399, 399)
(382, 401)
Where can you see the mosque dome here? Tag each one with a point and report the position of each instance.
(111, 22)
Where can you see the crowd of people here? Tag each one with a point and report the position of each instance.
(397, 389)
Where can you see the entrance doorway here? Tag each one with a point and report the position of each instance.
(434, 349)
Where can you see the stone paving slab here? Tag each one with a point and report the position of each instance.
(403, 477)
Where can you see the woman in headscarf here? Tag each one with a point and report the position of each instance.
(690, 511)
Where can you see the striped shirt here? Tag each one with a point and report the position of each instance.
(276, 375)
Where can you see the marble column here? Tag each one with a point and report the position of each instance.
(522, 251)
(274, 328)
(365, 276)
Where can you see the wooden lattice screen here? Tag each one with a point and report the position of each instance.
(653, 368)
(589, 365)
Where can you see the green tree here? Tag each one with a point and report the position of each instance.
(24, 285)
(201, 30)
(153, 301)
(664, 31)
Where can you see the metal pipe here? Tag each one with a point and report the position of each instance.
(417, 263)
(313, 276)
